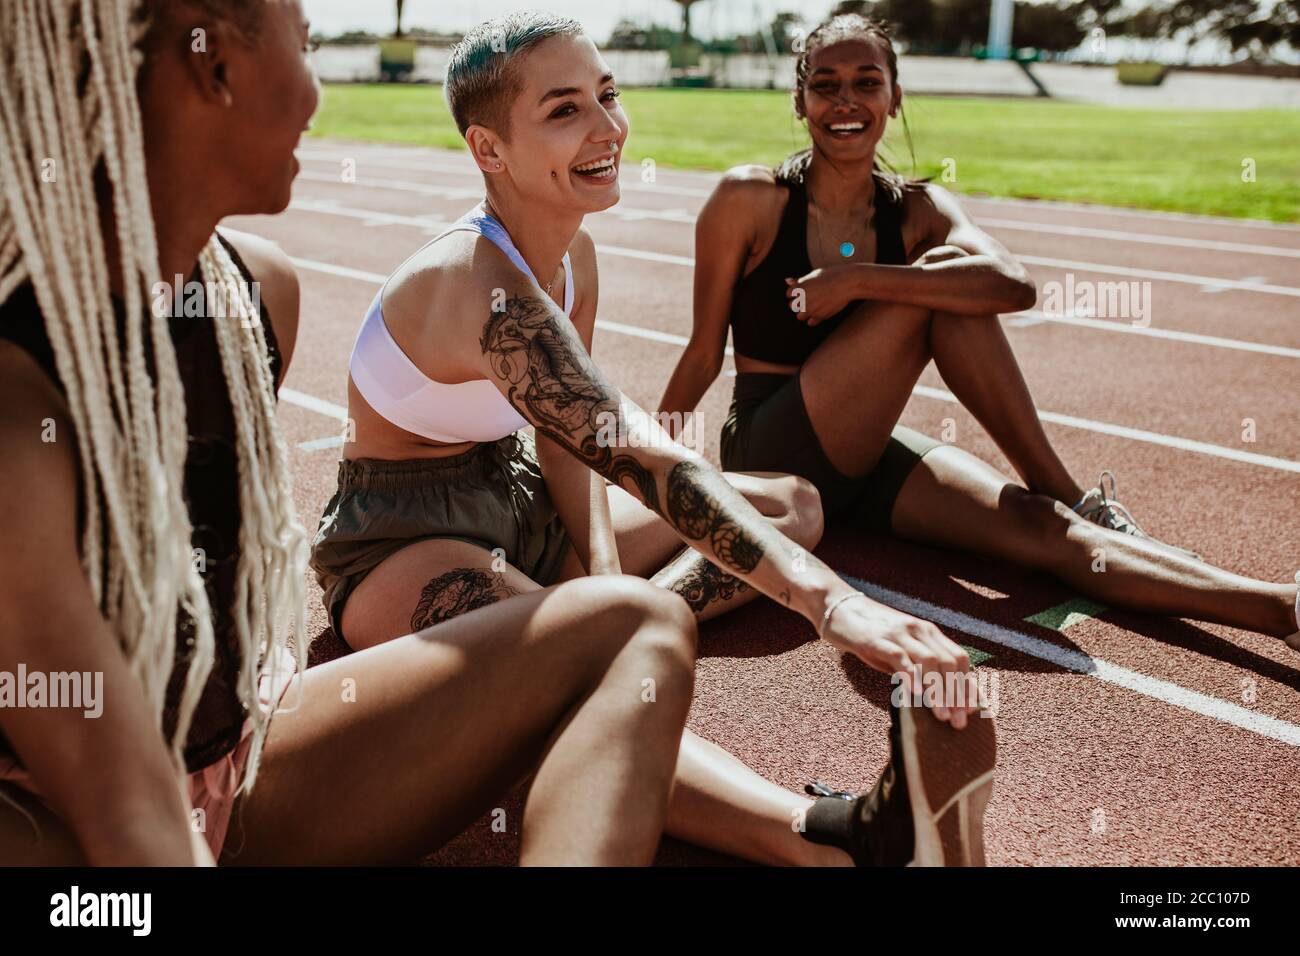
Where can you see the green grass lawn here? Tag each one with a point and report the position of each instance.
(1178, 160)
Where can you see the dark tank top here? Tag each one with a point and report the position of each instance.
(211, 490)
(762, 324)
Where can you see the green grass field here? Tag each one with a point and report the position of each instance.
(1177, 160)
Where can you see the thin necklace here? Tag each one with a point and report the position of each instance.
(846, 250)
(487, 208)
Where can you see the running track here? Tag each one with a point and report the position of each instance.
(1125, 740)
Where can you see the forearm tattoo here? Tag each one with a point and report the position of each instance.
(694, 493)
(556, 386)
(457, 592)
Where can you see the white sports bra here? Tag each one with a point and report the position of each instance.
(447, 412)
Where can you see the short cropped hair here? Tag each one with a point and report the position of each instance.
(482, 79)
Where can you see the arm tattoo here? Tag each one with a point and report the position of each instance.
(556, 386)
(456, 592)
(694, 509)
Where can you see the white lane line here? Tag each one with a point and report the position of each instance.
(1031, 317)
(1071, 421)
(397, 185)
(1021, 225)
(1080, 663)
(1138, 434)
(1211, 283)
(312, 403)
(328, 207)
(634, 184)
(343, 271)
(1071, 265)
(1173, 218)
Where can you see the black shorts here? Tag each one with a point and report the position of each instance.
(768, 429)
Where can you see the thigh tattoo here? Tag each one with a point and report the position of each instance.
(456, 592)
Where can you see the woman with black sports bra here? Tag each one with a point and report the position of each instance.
(840, 282)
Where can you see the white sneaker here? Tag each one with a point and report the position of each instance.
(1101, 508)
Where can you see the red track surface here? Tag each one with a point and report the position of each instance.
(1090, 771)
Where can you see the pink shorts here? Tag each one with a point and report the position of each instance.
(211, 788)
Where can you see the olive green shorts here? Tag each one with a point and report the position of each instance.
(768, 429)
(492, 495)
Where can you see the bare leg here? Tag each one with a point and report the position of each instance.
(395, 749)
(869, 364)
(956, 500)
(975, 359)
(720, 803)
(716, 800)
(873, 360)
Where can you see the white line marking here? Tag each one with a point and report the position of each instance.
(1021, 225)
(631, 183)
(1027, 318)
(1241, 284)
(634, 184)
(1190, 218)
(312, 403)
(1071, 421)
(1209, 283)
(330, 269)
(1080, 663)
(640, 333)
(317, 444)
(1138, 434)
(398, 185)
(1034, 317)
(629, 253)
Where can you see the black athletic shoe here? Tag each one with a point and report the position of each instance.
(927, 806)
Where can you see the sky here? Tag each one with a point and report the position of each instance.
(709, 18)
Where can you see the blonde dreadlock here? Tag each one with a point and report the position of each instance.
(68, 107)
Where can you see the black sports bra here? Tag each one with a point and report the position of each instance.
(211, 489)
(762, 325)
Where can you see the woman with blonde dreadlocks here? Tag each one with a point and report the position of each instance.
(156, 553)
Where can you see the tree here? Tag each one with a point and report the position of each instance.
(398, 32)
(1047, 26)
(912, 20)
(630, 36)
(783, 29)
(686, 15)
